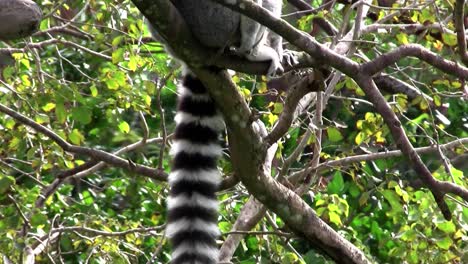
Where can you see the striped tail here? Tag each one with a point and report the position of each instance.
(192, 205)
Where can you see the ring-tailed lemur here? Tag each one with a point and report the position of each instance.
(192, 205)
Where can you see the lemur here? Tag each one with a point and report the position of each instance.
(192, 205)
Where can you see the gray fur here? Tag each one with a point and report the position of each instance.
(216, 26)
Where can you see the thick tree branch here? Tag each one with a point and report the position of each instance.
(392, 85)
(248, 154)
(252, 212)
(362, 75)
(414, 50)
(328, 57)
(459, 16)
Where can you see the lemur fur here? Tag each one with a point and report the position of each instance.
(192, 204)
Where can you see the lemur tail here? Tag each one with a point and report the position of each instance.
(192, 205)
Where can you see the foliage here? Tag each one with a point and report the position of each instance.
(102, 71)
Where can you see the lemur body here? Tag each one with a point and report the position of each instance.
(194, 179)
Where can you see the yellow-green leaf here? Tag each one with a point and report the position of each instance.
(334, 135)
(117, 55)
(449, 39)
(335, 218)
(94, 90)
(48, 107)
(124, 127)
(76, 137)
(277, 108)
(402, 38)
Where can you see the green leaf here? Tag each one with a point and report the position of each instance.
(354, 190)
(335, 218)
(447, 227)
(337, 184)
(117, 40)
(61, 113)
(449, 39)
(132, 63)
(334, 135)
(252, 243)
(76, 137)
(364, 198)
(150, 87)
(457, 175)
(112, 84)
(272, 118)
(118, 55)
(289, 257)
(48, 107)
(39, 219)
(87, 197)
(444, 243)
(94, 90)
(120, 77)
(82, 114)
(402, 38)
(5, 183)
(277, 108)
(41, 118)
(360, 137)
(394, 201)
(224, 226)
(124, 127)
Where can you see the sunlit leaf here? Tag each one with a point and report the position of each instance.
(334, 135)
(76, 137)
(124, 127)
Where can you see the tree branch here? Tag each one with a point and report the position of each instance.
(339, 163)
(86, 169)
(362, 75)
(45, 43)
(459, 16)
(311, 83)
(93, 153)
(414, 50)
(407, 149)
(248, 154)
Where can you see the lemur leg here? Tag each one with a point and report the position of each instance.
(274, 40)
(265, 53)
(255, 43)
(270, 46)
(251, 33)
(276, 43)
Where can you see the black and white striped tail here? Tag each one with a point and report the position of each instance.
(192, 206)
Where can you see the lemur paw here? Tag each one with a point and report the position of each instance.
(275, 68)
(289, 58)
